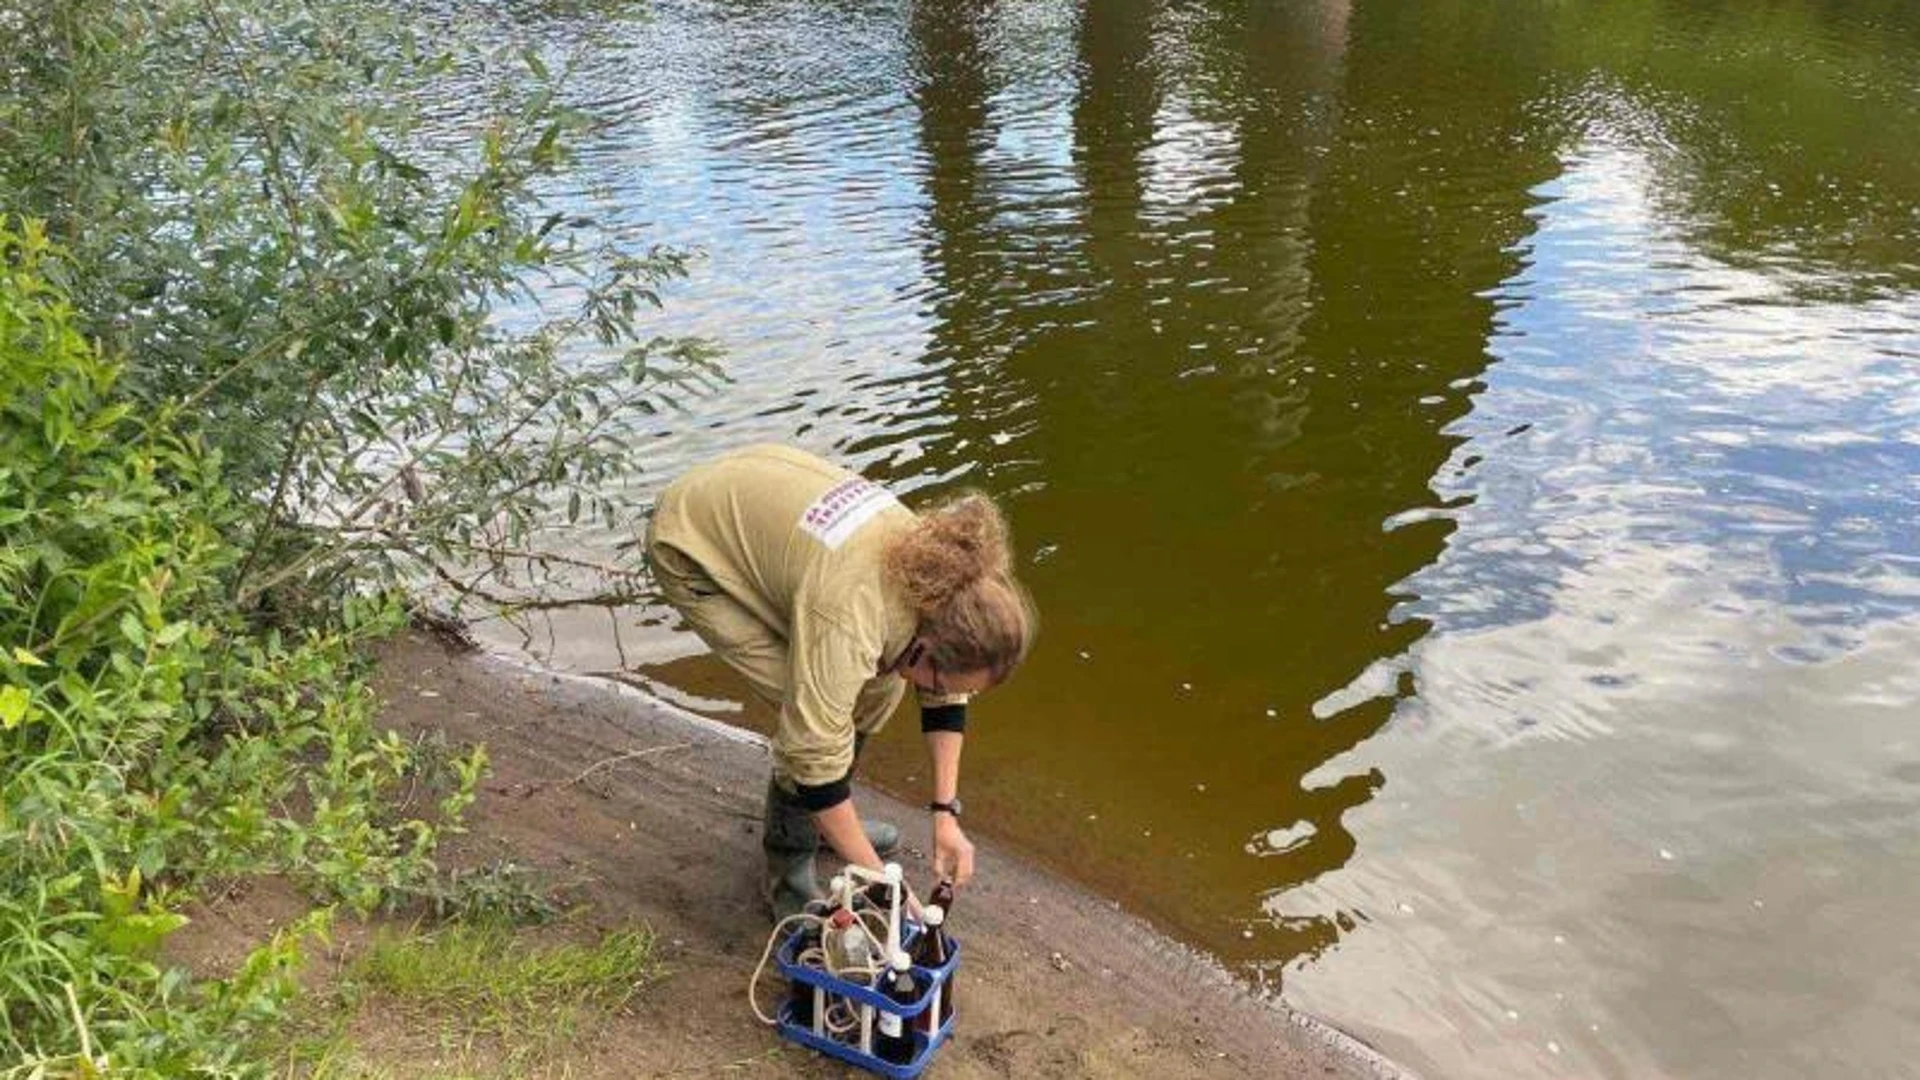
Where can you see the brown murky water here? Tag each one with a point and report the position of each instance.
(1467, 453)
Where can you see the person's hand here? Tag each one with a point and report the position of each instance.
(952, 851)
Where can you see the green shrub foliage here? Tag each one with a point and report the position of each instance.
(409, 364)
(267, 355)
(151, 740)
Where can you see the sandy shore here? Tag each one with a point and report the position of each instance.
(652, 814)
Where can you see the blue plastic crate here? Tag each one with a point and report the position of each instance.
(925, 1045)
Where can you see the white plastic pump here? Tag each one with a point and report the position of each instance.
(895, 878)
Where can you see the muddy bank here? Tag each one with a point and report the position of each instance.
(651, 813)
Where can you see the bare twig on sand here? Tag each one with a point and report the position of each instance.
(608, 762)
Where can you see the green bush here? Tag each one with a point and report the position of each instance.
(345, 306)
(267, 356)
(150, 738)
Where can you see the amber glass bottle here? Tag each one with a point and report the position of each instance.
(943, 895)
(931, 950)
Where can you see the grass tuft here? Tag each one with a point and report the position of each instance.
(468, 1001)
(486, 969)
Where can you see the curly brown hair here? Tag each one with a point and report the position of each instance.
(956, 567)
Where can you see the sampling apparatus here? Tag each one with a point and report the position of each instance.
(860, 988)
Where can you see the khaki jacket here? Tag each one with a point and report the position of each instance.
(798, 543)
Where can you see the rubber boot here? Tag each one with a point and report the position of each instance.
(884, 836)
(789, 840)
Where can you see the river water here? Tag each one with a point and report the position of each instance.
(1467, 454)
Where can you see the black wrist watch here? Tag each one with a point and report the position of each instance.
(952, 807)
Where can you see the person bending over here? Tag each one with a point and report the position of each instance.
(830, 597)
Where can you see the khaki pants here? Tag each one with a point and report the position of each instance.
(746, 642)
(758, 652)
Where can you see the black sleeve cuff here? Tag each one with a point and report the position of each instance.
(943, 718)
(818, 797)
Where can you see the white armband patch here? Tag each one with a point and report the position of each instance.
(838, 514)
